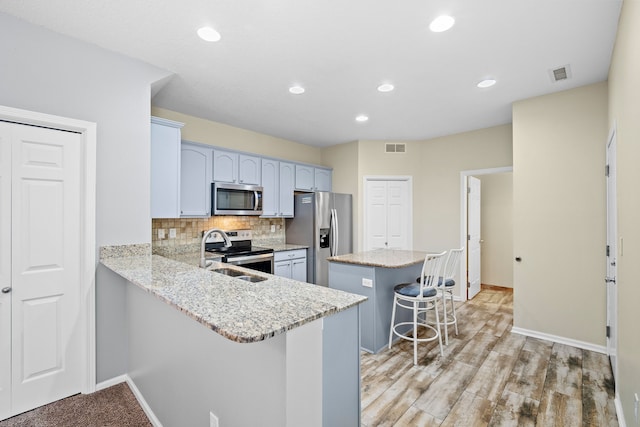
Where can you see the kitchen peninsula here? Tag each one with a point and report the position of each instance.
(374, 274)
(274, 353)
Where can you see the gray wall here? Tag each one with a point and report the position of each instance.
(50, 73)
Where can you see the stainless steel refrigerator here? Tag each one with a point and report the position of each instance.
(323, 222)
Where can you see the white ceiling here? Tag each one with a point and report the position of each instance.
(340, 51)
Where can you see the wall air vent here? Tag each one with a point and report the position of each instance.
(560, 73)
(395, 148)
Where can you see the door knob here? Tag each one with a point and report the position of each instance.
(6, 290)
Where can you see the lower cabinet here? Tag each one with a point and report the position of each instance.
(291, 264)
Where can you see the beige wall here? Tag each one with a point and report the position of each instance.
(624, 109)
(496, 215)
(213, 133)
(559, 213)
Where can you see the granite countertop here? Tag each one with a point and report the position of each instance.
(387, 258)
(238, 310)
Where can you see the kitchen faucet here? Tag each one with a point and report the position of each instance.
(227, 243)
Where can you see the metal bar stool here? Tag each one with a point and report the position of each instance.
(420, 298)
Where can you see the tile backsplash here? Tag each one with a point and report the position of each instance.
(189, 230)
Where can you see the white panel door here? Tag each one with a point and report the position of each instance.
(376, 205)
(47, 358)
(473, 242)
(5, 271)
(612, 253)
(397, 218)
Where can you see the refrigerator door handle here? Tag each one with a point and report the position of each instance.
(334, 239)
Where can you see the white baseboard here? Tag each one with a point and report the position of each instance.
(136, 392)
(620, 412)
(560, 340)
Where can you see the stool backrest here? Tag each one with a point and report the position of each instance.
(431, 271)
(452, 263)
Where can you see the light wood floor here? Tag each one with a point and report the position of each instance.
(488, 376)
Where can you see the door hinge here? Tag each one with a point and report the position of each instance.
(608, 250)
(468, 236)
(606, 170)
(608, 331)
(468, 284)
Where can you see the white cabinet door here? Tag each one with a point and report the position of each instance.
(270, 187)
(249, 169)
(282, 269)
(195, 180)
(299, 269)
(225, 166)
(305, 177)
(322, 179)
(286, 188)
(165, 168)
(46, 343)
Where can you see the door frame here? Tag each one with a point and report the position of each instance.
(365, 213)
(612, 225)
(462, 289)
(87, 318)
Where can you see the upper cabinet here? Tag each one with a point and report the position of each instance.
(249, 169)
(195, 180)
(277, 184)
(229, 166)
(309, 178)
(165, 168)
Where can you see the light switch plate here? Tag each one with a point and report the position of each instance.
(367, 283)
(161, 233)
(172, 233)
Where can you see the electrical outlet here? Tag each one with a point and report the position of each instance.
(172, 233)
(161, 233)
(273, 228)
(213, 420)
(367, 283)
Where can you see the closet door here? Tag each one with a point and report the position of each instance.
(46, 348)
(5, 271)
(387, 214)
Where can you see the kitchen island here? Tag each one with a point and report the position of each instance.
(273, 353)
(374, 274)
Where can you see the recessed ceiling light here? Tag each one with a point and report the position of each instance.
(209, 34)
(296, 90)
(486, 83)
(442, 23)
(385, 87)
(362, 118)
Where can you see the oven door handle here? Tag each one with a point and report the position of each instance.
(245, 259)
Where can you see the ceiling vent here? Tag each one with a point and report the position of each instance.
(561, 73)
(395, 148)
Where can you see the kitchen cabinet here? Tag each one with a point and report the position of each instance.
(309, 178)
(249, 169)
(278, 186)
(195, 180)
(165, 168)
(291, 264)
(236, 168)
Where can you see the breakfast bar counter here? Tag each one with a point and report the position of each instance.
(374, 274)
(217, 342)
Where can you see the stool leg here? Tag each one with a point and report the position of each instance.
(393, 318)
(435, 307)
(453, 310)
(444, 309)
(415, 332)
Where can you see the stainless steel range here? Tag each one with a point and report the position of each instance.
(241, 252)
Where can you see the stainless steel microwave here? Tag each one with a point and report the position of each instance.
(235, 199)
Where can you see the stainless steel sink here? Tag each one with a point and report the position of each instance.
(239, 274)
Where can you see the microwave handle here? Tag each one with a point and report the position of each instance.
(255, 198)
